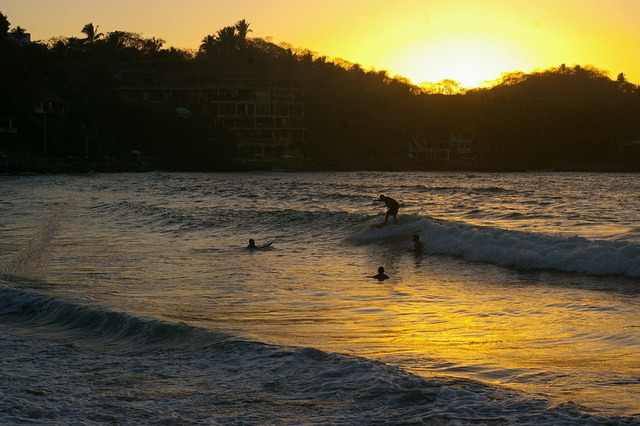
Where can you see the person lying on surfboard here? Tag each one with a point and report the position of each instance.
(252, 244)
(392, 208)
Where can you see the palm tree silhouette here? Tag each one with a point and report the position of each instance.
(208, 45)
(243, 28)
(91, 33)
(226, 39)
(153, 45)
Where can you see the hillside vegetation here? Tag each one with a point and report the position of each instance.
(565, 116)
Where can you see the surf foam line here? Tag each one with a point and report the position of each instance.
(524, 250)
(98, 326)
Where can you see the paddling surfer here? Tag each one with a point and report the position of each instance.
(252, 245)
(392, 208)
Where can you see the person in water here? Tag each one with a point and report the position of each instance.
(392, 208)
(417, 244)
(381, 276)
(252, 245)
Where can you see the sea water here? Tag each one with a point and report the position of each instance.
(132, 299)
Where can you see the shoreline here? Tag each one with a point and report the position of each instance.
(23, 164)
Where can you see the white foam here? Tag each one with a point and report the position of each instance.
(525, 250)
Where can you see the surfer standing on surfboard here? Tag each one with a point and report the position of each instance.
(392, 208)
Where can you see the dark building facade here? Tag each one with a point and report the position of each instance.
(268, 122)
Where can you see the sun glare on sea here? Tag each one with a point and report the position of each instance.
(469, 59)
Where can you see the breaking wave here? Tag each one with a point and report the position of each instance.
(525, 250)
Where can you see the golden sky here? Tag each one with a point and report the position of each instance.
(470, 41)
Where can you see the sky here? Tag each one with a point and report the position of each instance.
(470, 41)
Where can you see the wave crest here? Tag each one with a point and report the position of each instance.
(526, 250)
(101, 326)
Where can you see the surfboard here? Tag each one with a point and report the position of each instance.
(377, 225)
(262, 247)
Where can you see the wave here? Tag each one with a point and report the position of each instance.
(99, 326)
(524, 250)
(192, 367)
(179, 220)
(148, 215)
(456, 189)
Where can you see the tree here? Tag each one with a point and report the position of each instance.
(153, 45)
(208, 45)
(624, 85)
(511, 78)
(19, 33)
(242, 27)
(226, 39)
(4, 26)
(91, 33)
(125, 40)
(443, 87)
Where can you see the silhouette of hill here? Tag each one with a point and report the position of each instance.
(64, 99)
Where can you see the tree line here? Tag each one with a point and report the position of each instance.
(355, 117)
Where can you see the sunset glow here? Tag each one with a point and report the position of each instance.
(469, 60)
(468, 41)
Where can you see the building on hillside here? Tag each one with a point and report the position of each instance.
(465, 144)
(8, 133)
(268, 122)
(462, 142)
(6, 125)
(428, 149)
(49, 102)
(19, 37)
(49, 107)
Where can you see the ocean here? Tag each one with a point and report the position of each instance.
(133, 299)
